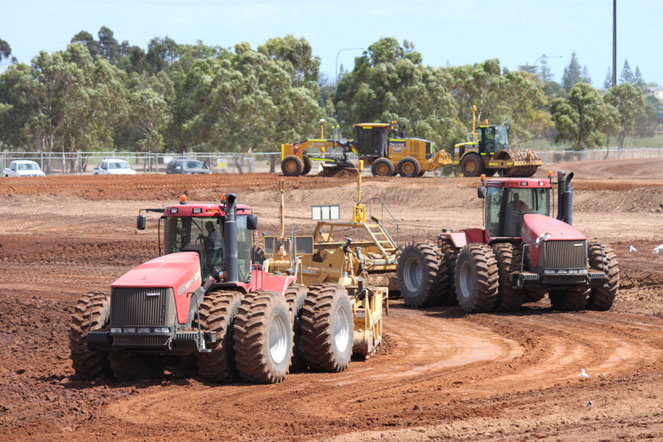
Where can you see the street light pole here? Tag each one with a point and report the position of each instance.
(545, 57)
(339, 51)
(614, 43)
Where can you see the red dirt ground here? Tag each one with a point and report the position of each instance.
(440, 375)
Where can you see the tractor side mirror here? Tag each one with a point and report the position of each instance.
(141, 222)
(252, 222)
(481, 192)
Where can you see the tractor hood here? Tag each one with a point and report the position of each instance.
(536, 226)
(179, 271)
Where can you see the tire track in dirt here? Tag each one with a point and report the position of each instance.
(428, 360)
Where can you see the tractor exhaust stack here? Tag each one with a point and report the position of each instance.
(565, 191)
(230, 239)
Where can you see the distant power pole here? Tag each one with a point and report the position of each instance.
(614, 43)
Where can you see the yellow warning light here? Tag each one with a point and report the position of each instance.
(182, 199)
(483, 176)
(550, 173)
(223, 197)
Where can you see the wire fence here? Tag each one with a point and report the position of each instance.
(77, 163)
(612, 153)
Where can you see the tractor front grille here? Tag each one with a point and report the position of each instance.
(141, 341)
(565, 254)
(142, 307)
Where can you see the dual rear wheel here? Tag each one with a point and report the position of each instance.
(481, 276)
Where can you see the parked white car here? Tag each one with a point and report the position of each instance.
(23, 168)
(114, 167)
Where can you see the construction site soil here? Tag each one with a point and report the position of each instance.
(440, 374)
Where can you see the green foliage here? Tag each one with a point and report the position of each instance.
(5, 49)
(646, 118)
(101, 94)
(628, 102)
(296, 57)
(62, 99)
(573, 74)
(581, 118)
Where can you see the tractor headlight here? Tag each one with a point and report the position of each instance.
(161, 330)
(144, 330)
(542, 238)
(116, 330)
(130, 329)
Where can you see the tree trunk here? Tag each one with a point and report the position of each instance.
(272, 163)
(239, 163)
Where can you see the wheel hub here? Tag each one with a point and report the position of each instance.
(466, 280)
(278, 340)
(341, 329)
(412, 274)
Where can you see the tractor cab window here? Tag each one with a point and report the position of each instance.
(244, 245)
(488, 138)
(493, 206)
(371, 141)
(505, 209)
(501, 138)
(196, 234)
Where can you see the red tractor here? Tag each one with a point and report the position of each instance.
(207, 299)
(519, 255)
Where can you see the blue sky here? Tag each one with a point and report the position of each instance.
(445, 32)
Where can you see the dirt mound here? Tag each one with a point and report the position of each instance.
(151, 186)
(640, 169)
(337, 172)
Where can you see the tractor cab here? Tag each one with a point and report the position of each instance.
(493, 139)
(372, 139)
(508, 200)
(201, 228)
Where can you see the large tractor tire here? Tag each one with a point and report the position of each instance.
(421, 278)
(477, 279)
(128, 366)
(327, 328)
(92, 312)
(573, 299)
(307, 165)
(408, 167)
(603, 258)
(295, 297)
(509, 258)
(449, 256)
(382, 167)
(292, 165)
(263, 338)
(217, 314)
(471, 165)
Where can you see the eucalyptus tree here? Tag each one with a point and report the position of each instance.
(628, 101)
(582, 118)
